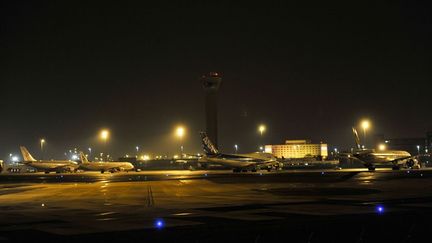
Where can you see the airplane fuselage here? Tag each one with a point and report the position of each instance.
(53, 165)
(107, 166)
(370, 157)
(384, 157)
(239, 160)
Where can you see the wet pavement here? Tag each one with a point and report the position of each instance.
(207, 206)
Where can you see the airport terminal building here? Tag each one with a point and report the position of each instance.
(298, 149)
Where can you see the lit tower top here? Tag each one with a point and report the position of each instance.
(211, 83)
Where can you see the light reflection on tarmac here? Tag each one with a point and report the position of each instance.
(90, 202)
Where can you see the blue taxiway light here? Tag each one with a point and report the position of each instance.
(380, 209)
(159, 224)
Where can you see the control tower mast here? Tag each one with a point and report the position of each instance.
(211, 83)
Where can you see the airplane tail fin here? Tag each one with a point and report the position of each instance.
(356, 138)
(83, 158)
(27, 157)
(208, 146)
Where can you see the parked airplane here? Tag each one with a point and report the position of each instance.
(104, 166)
(48, 165)
(238, 162)
(370, 158)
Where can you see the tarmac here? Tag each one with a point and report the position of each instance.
(349, 205)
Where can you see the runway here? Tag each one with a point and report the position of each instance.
(341, 205)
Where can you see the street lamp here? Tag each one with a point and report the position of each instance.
(418, 149)
(42, 143)
(180, 132)
(261, 129)
(382, 147)
(365, 124)
(236, 147)
(104, 135)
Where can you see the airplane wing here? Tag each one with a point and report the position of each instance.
(266, 165)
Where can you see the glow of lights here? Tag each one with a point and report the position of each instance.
(159, 224)
(145, 157)
(382, 147)
(380, 209)
(262, 128)
(365, 124)
(180, 131)
(14, 159)
(74, 157)
(104, 134)
(176, 156)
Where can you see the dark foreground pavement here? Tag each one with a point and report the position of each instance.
(215, 206)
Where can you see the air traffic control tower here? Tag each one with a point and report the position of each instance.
(211, 83)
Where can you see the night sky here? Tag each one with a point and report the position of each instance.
(305, 69)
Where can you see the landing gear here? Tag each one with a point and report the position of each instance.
(410, 163)
(371, 168)
(254, 170)
(416, 166)
(244, 170)
(102, 171)
(57, 172)
(236, 170)
(46, 172)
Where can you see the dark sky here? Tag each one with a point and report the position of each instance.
(305, 69)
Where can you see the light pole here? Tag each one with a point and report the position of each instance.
(236, 148)
(262, 128)
(42, 143)
(137, 149)
(180, 132)
(418, 149)
(104, 135)
(365, 124)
